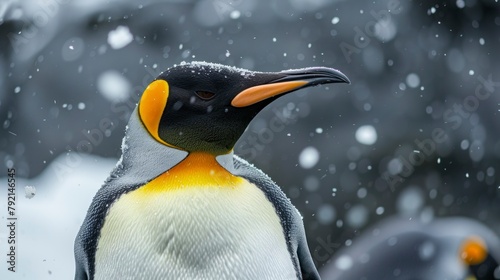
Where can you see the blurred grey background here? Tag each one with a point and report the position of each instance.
(416, 133)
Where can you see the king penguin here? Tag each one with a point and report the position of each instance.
(180, 204)
(451, 248)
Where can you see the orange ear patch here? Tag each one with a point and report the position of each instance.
(473, 251)
(152, 105)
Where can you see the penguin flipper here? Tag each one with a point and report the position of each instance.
(80, 273)
(291, 220)
(307, 267)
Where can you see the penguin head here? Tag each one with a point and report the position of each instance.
(205, 107)
(476, 254)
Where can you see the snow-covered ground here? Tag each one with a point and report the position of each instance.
(48, 222)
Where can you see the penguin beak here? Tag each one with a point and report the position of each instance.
(288, 81)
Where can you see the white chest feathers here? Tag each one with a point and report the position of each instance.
(193, 233)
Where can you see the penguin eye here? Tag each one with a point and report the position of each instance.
(205, 95)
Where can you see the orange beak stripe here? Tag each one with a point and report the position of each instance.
(258, 93)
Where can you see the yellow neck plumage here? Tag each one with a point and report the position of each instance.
(196, 170)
